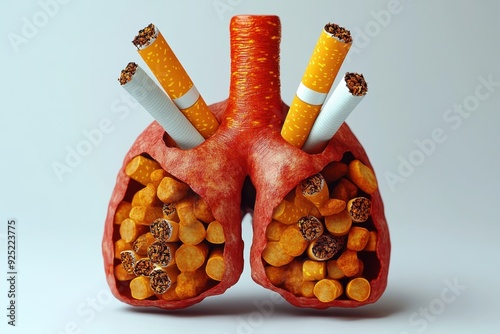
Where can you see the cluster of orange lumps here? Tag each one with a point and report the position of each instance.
(321, 235)
(167, 243)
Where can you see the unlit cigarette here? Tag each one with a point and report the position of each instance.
(191, 257)
(326, 60)
(313, 270)
(215, 265)
(140, 288)
(346, 96)
(141, 87)
(141, 244)
(327, 290)
(174, 79)
(358, 289)
(140, 168)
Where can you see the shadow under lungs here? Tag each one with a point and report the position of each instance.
(389, 304)
(211, 306)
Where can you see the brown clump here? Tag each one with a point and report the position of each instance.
(341, 33)
(127, 73)
(356, 84)
(145, 36)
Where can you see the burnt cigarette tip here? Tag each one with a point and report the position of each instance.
(356, 84)
(339, 32)
(145, 36)
(127, 73)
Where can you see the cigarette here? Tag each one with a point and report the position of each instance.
(202, 210)
(170, 294)
(143, 267)
(141, 244)
(332, 206)
(174, 79)
(274, 230)
(326, 60)
(130, 230)
(121, 274)
(276, 275)
(140, 288)
(157, 175)
(161, 279)
(344, 190)
(120, 246)
(327, 290)
(215, 233)
(325, 247)
(333, 271)
(310, 227)
(274, 255)
(145, 215)
(348, 262)
(334, 171)
(313, 270)
(128, 259)
(147, 196)
(170, 190)
(303, 204)
(192, 233)
(142, 88)
(170, 212)
(140, 168)
(346, 96)
(165, 230)
(315, 189)
(191, 283)
(338, 224)
(191, 257)
(287, 213)
(215, 265)
(162, 253)
(371, 245)
(358, 289)
(362, 176)
(307, 289)
(292, 242)
(185, 210)
(359, 208)
(357, 238)
(122, 212)
(294, 279)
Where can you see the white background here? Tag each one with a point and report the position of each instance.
(421, 61)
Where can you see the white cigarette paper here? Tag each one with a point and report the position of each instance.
(163, 109)
(334, 112)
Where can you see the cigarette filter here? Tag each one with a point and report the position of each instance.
(141, 87)
(175, 81)
(326, 60)
(335, 111)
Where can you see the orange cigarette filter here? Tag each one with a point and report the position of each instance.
(174, 79)
(324, 65)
